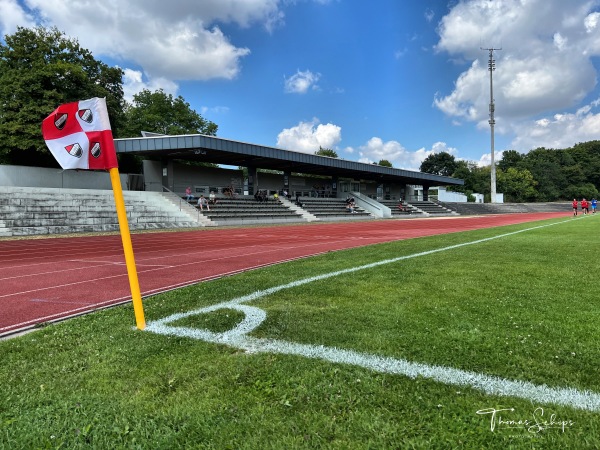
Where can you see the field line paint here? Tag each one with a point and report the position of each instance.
(253, 317)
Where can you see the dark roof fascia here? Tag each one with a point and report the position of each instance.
(197, 142)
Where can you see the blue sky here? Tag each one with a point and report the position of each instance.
(386, 79)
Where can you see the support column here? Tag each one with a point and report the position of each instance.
(252, 180)
(167, 174)
(286, 180)
(425, 193)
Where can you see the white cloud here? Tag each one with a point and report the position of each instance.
(178, 41)
(486, 158)
(400, 53)
(13, 15)
(301, 82)
(558, 131)
(214, 110)
(560, 41)
(591, 22)
(133, 83)
(429, 14)
(307, 137)
(544, 64)
(376, 149)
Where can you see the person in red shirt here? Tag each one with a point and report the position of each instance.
(584, 206)
(575, 204)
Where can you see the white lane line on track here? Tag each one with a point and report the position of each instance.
(61, 302)
(64, 314)
(59, 286)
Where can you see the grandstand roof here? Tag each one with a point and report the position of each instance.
(211, 149)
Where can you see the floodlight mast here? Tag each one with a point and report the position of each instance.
(492, 122)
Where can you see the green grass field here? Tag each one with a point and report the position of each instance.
(522, 307)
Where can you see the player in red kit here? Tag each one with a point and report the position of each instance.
(575, 204)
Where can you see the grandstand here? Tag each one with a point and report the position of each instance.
(42, 201)
(45, 211)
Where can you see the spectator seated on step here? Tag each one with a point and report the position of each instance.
(212, 198)
(229, 191)
(261, 196)
(351, 208)
(350, 204)
(402, 206)
(203, 203)
(188, 194)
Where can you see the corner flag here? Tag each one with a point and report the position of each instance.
(79, 136)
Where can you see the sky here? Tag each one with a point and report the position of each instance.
(385, 79)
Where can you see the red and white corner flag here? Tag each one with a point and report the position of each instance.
(79, 135)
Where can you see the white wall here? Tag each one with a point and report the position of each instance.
(499, 198)
(24, 176)
(445, 196)
(152, 175)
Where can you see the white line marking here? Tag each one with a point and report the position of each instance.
(57, 302)
(492, 385)
(66, 314)
(55, 271)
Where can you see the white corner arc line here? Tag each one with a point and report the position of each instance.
(492, 385)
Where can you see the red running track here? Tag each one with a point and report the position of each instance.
(45, 280)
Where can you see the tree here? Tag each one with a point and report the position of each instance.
(517, 185)
(587, 190)
(480, 181)
(464, 172)
(159, 112)
(385, 163)
(510, 158)
(587, 156)
(439, 164)
(326, 152)
(39, 70)
(544, 165)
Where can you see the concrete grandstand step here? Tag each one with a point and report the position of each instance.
(301, 211)
(472, 208)
(186, 208)
(432, 209)
(245, 210)
(4, 230)
(331, 209)
(28, 211)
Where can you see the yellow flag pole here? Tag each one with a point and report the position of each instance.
(134, 284)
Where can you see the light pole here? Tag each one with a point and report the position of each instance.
(492, 122)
